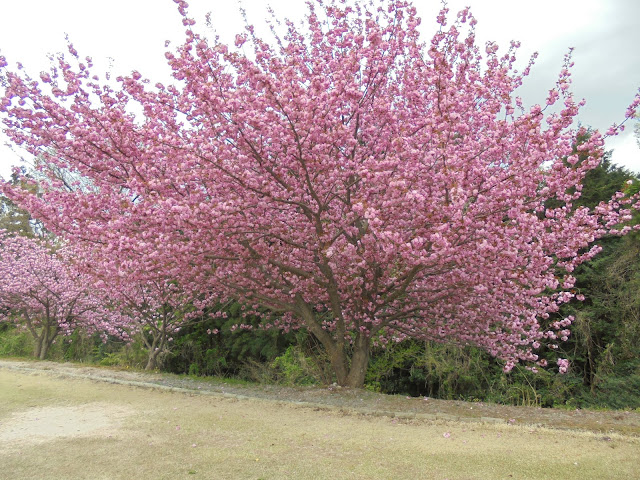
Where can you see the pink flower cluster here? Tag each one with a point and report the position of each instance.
(362, 184)
(40, 289)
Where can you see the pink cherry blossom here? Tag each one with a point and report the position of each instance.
(351, 178)
(42, 292)
(563, 365)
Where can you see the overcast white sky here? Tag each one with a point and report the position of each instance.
(122, 35)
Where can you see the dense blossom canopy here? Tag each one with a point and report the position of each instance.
(364, 184)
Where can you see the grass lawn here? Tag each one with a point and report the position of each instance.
(63, 428)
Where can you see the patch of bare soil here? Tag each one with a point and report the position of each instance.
(354, 402)
(39, 425)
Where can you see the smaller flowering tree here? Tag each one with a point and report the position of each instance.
(156, 306)
(157, 309)
(40, 291)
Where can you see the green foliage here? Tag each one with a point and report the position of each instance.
(212, 346)
(605, 337)
(430, 369)
(14, 219)
(614, 392)
(78, 347)
(81, 347)
(457, 373)
(601, 183)
(605, 340)
(133, 355)
(295, 368)
(534, 389)
(15, 342)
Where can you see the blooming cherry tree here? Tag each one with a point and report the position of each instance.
(365, 185)
(39, 291)
(157, 309)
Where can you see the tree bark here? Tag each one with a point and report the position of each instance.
(38, 346)
(46, 340)
(152, 362)
(43, 350)
(43, 342)
(350, 372)
(156, 350)
(339, 362)
(359, 362)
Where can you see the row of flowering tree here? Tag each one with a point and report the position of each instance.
(40, 291)
(360, 183)
(54, 291)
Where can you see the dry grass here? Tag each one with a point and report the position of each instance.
(155, 434)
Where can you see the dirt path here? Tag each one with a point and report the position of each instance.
(62, 421)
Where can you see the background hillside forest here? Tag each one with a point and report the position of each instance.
(603, 349)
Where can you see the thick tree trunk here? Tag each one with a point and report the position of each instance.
(156, 353)
(339, 363)
(359, 363)
(37, 350)
(153, 345)
(350, 372)
(152, 362)
(46, 345)
(44, 341)
(42, 346)
(43, 351)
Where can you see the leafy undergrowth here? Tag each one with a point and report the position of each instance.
(355, 402)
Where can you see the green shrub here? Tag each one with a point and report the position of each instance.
(430, 369)
(14, 342)
(615, 392)
(81, 347)
(132, 355)
(228, 351)
(295, 368)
